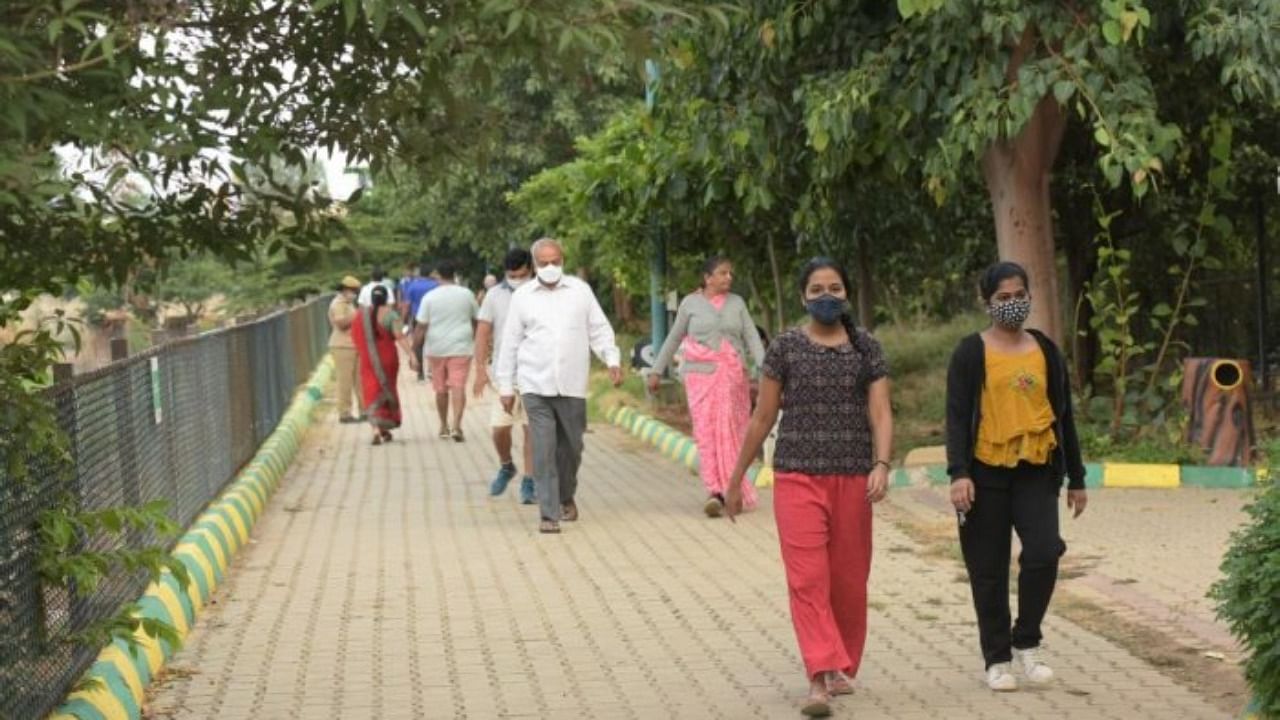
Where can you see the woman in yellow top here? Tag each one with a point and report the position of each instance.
(1011, 440)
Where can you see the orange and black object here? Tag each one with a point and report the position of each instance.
(1215, 392)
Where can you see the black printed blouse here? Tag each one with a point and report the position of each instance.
(826, 426)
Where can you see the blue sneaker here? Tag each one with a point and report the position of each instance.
(499, 485)
(528, 496)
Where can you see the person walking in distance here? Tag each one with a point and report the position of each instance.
(831, 382)
(414, 290)
(716, 331)
(376, 332)
(446, 319)
(1011, 439)
(379, 279)
(342, 312)
(552, 327)
(518, 265)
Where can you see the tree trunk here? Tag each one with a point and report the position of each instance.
(1082, 261)
(866, 285)
(1018, 173)
(622, 306)
(765, 318)
(777, 284)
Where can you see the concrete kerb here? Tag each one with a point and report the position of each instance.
(674, 444)
(121, 677)
(679, 447)
(1124, 475)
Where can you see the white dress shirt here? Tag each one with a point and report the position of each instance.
(548, 339)
(366, 293)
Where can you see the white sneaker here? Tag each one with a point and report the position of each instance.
(1033, 667)
(1000, 678)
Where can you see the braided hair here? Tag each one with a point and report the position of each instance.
(377, 298)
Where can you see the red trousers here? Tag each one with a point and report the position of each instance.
(824, 526)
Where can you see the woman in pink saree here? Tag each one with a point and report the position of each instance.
(716, 332)
(376, 331)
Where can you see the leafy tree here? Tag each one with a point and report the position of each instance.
(992, 85)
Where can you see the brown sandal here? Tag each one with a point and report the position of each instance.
(377, 439)
(549, 527)
(818, 705)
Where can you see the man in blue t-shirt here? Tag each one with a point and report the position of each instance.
(415, 289)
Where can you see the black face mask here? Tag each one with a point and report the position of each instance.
(826, 309)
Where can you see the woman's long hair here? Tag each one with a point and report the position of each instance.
(378, 298)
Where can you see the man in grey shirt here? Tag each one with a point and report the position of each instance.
(518, 265)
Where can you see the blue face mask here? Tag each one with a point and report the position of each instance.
(826, 309)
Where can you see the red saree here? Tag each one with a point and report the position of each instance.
(379, 367)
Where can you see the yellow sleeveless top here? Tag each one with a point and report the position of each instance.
(1017, 419)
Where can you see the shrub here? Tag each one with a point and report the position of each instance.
(1248, 597)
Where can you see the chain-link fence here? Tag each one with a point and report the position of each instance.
(173, 423)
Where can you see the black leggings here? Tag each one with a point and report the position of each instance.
(1024, 499)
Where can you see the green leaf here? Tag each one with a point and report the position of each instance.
(821, 140)
(414, 18)
(350, 12)
(1063, 90)
(1112, 32)
(513, 21)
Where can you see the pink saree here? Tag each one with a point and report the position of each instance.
(720, 408)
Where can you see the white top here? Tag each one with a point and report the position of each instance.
(366, 293)
(447, 312)
(497, 302)
(549, 336)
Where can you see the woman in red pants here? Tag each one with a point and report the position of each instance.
(831, 463)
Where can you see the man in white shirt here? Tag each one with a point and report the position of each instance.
(552, 327)
(518, 265)
(446, 320)
(365, 298)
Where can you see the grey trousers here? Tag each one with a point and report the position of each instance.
(556, 424)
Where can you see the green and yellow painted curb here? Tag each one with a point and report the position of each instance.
(119, 677)
(679, 447)
(674, 444)
(1132, 475)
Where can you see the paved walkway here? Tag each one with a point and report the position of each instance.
(385, 583)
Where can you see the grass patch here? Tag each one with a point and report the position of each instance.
(918, 357)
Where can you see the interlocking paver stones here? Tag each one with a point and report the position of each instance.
(385, 583)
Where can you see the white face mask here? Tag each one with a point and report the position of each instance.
(516, 282)
(550, 274)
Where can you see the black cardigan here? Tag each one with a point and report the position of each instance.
(965, 378)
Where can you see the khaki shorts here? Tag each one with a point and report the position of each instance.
(498, 418)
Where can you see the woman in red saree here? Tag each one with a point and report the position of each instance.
(376, 331)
